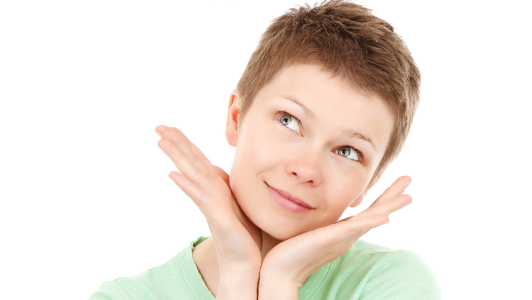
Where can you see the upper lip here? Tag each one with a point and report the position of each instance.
(290, 197)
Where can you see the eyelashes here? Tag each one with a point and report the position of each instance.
(289, 121)
(293, 123)
(350, 153)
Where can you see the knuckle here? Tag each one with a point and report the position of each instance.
(357, 227)
(362, 214)
(200, 200)
(197, 177)
(177, 130)
(179, 133)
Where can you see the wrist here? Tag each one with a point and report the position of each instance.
(276, 286)
(240, 286)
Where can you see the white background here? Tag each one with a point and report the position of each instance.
(84, 190)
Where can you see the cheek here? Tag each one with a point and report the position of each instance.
(252, 155)
(346, 190)
(258, 147)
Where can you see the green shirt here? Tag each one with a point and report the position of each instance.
(366, 271)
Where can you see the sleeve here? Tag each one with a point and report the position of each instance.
(401, 275)
(126, 288)
(107, 291)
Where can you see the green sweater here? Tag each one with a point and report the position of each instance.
(366, 271)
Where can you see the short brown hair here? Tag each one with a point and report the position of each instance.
(346, 39)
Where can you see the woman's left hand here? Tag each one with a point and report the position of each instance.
(288, 265)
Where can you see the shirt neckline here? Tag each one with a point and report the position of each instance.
(198, 289)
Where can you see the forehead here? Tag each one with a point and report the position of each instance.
(333, 103)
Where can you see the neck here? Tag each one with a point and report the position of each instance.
(268, 242)
(206, 259)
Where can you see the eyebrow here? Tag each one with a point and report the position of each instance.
(355, 134)
(349, 132)
(307, 111)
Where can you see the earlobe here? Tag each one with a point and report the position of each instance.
(233, 114)
(359, 199)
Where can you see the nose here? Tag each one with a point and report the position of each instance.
(305, 168)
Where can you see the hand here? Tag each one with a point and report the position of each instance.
(237, 240)
(291, 262)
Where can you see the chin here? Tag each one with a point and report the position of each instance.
(279, 236)
(277, 230)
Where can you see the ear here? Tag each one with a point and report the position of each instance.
(233, 114)
(359, 199)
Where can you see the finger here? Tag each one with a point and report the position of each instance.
(181, 154)
(388, 207)
(177, 137)
(353, 228)
(183, 161)
(193, 148)
(189, 188)
(397, 188)
(200, 196)
(359, 227)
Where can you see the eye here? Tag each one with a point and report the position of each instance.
(289, 121)
(349, 152)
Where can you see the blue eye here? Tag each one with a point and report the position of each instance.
(289, 121)
(348, 152)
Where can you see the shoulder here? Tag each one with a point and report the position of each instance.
(378, 272)
(108, 291)
(176, 279)
(151, 284)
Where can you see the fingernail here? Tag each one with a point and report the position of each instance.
(408, 183)
(159, 133)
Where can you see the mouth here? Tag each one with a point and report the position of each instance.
(287, 201)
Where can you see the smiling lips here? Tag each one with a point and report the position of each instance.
(288, 201)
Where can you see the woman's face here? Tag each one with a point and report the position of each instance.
(305, 150)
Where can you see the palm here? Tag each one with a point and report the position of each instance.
(236, 239)
(243, 232)
(298, 257)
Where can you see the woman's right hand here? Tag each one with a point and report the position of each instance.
(237, 240)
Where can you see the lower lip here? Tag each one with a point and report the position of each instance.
(287, 204)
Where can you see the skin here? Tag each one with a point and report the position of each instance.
(297, 136)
